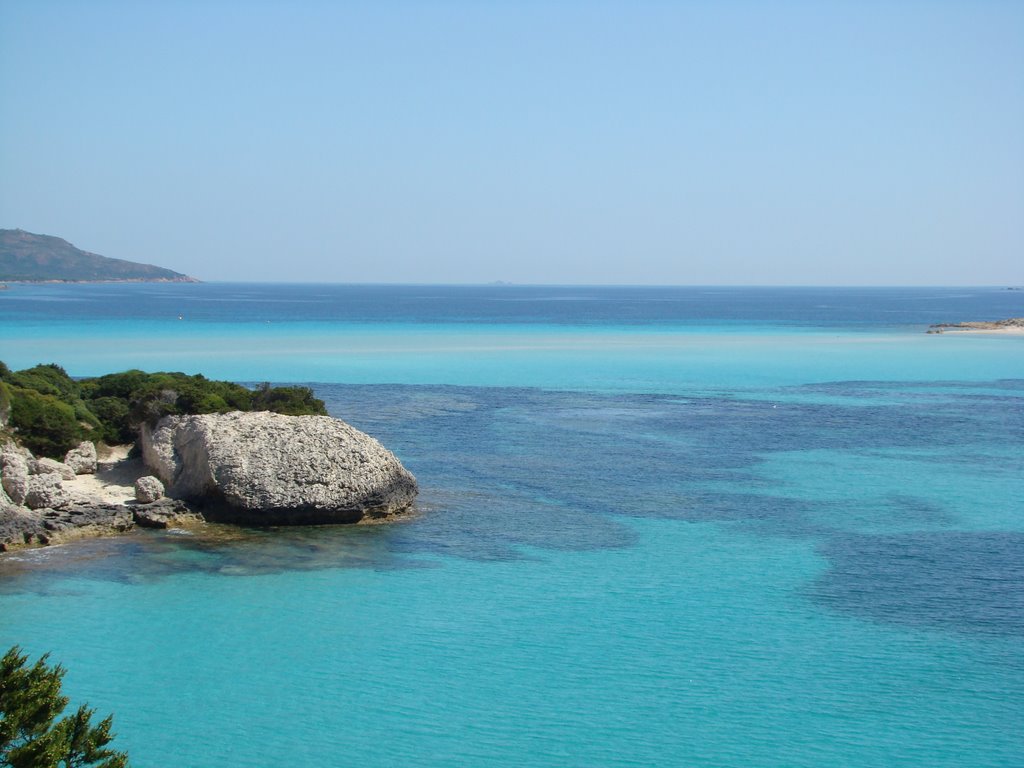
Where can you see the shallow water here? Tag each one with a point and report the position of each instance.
(761, 528)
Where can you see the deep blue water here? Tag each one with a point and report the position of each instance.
(679, 526)
(596, 306)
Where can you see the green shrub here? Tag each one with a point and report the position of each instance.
(44, 424)
(162, 394)
(52, 412)
(120, 385)
(54, 381)
(48, 380)
(114, 415)
(293, 401)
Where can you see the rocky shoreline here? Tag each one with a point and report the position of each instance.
(255, 468)
(1010, 325)
(41, 503)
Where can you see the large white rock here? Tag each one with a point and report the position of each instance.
(269, 469)
(82, 459)
(14, 474)
(44, 491)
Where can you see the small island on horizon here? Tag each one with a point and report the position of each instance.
(26, 257)
(1013, 325)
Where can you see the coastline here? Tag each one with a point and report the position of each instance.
(981, 331)
(58, 281)
(1011, 326)
(96, 504)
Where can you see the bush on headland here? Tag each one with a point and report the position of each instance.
(49, 412)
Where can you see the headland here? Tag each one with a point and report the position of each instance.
(200, 451)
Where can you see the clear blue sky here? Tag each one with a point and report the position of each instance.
(543, 142)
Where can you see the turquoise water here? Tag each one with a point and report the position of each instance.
(721, 527)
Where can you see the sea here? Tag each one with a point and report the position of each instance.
(657, 526)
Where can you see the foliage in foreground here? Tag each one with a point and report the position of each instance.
(50, 412)
(31, 736)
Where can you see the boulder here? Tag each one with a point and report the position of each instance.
(82, 459)
(18, 528)
(51, 466)
(22, 528)
(77, 521)
(166, 513)
(269, 469)
(14, 475)
(45, 491)
(148, 489)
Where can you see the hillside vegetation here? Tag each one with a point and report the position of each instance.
(50, 413)
(25, 256)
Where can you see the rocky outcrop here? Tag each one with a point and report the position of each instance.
(166, 513)
(14, 474)
(253, 468)
(51, 466)
(82, 459)
(263, 468)
(148, 489)
(19, 528)
(77, 521)
(45, 490)
(53, 505)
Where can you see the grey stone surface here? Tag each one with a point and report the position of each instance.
(83, 520)
(82, 459)
(14, 475)
(18, 528)
(45, 491)
(166, 513)
(148, 489)
(51, 466)
(268, 469)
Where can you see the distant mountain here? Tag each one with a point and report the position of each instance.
(29, 257)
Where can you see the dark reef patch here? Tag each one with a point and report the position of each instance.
(964, 581)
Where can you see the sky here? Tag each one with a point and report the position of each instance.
(771, 143)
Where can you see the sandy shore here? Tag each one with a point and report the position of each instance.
(114, 481)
